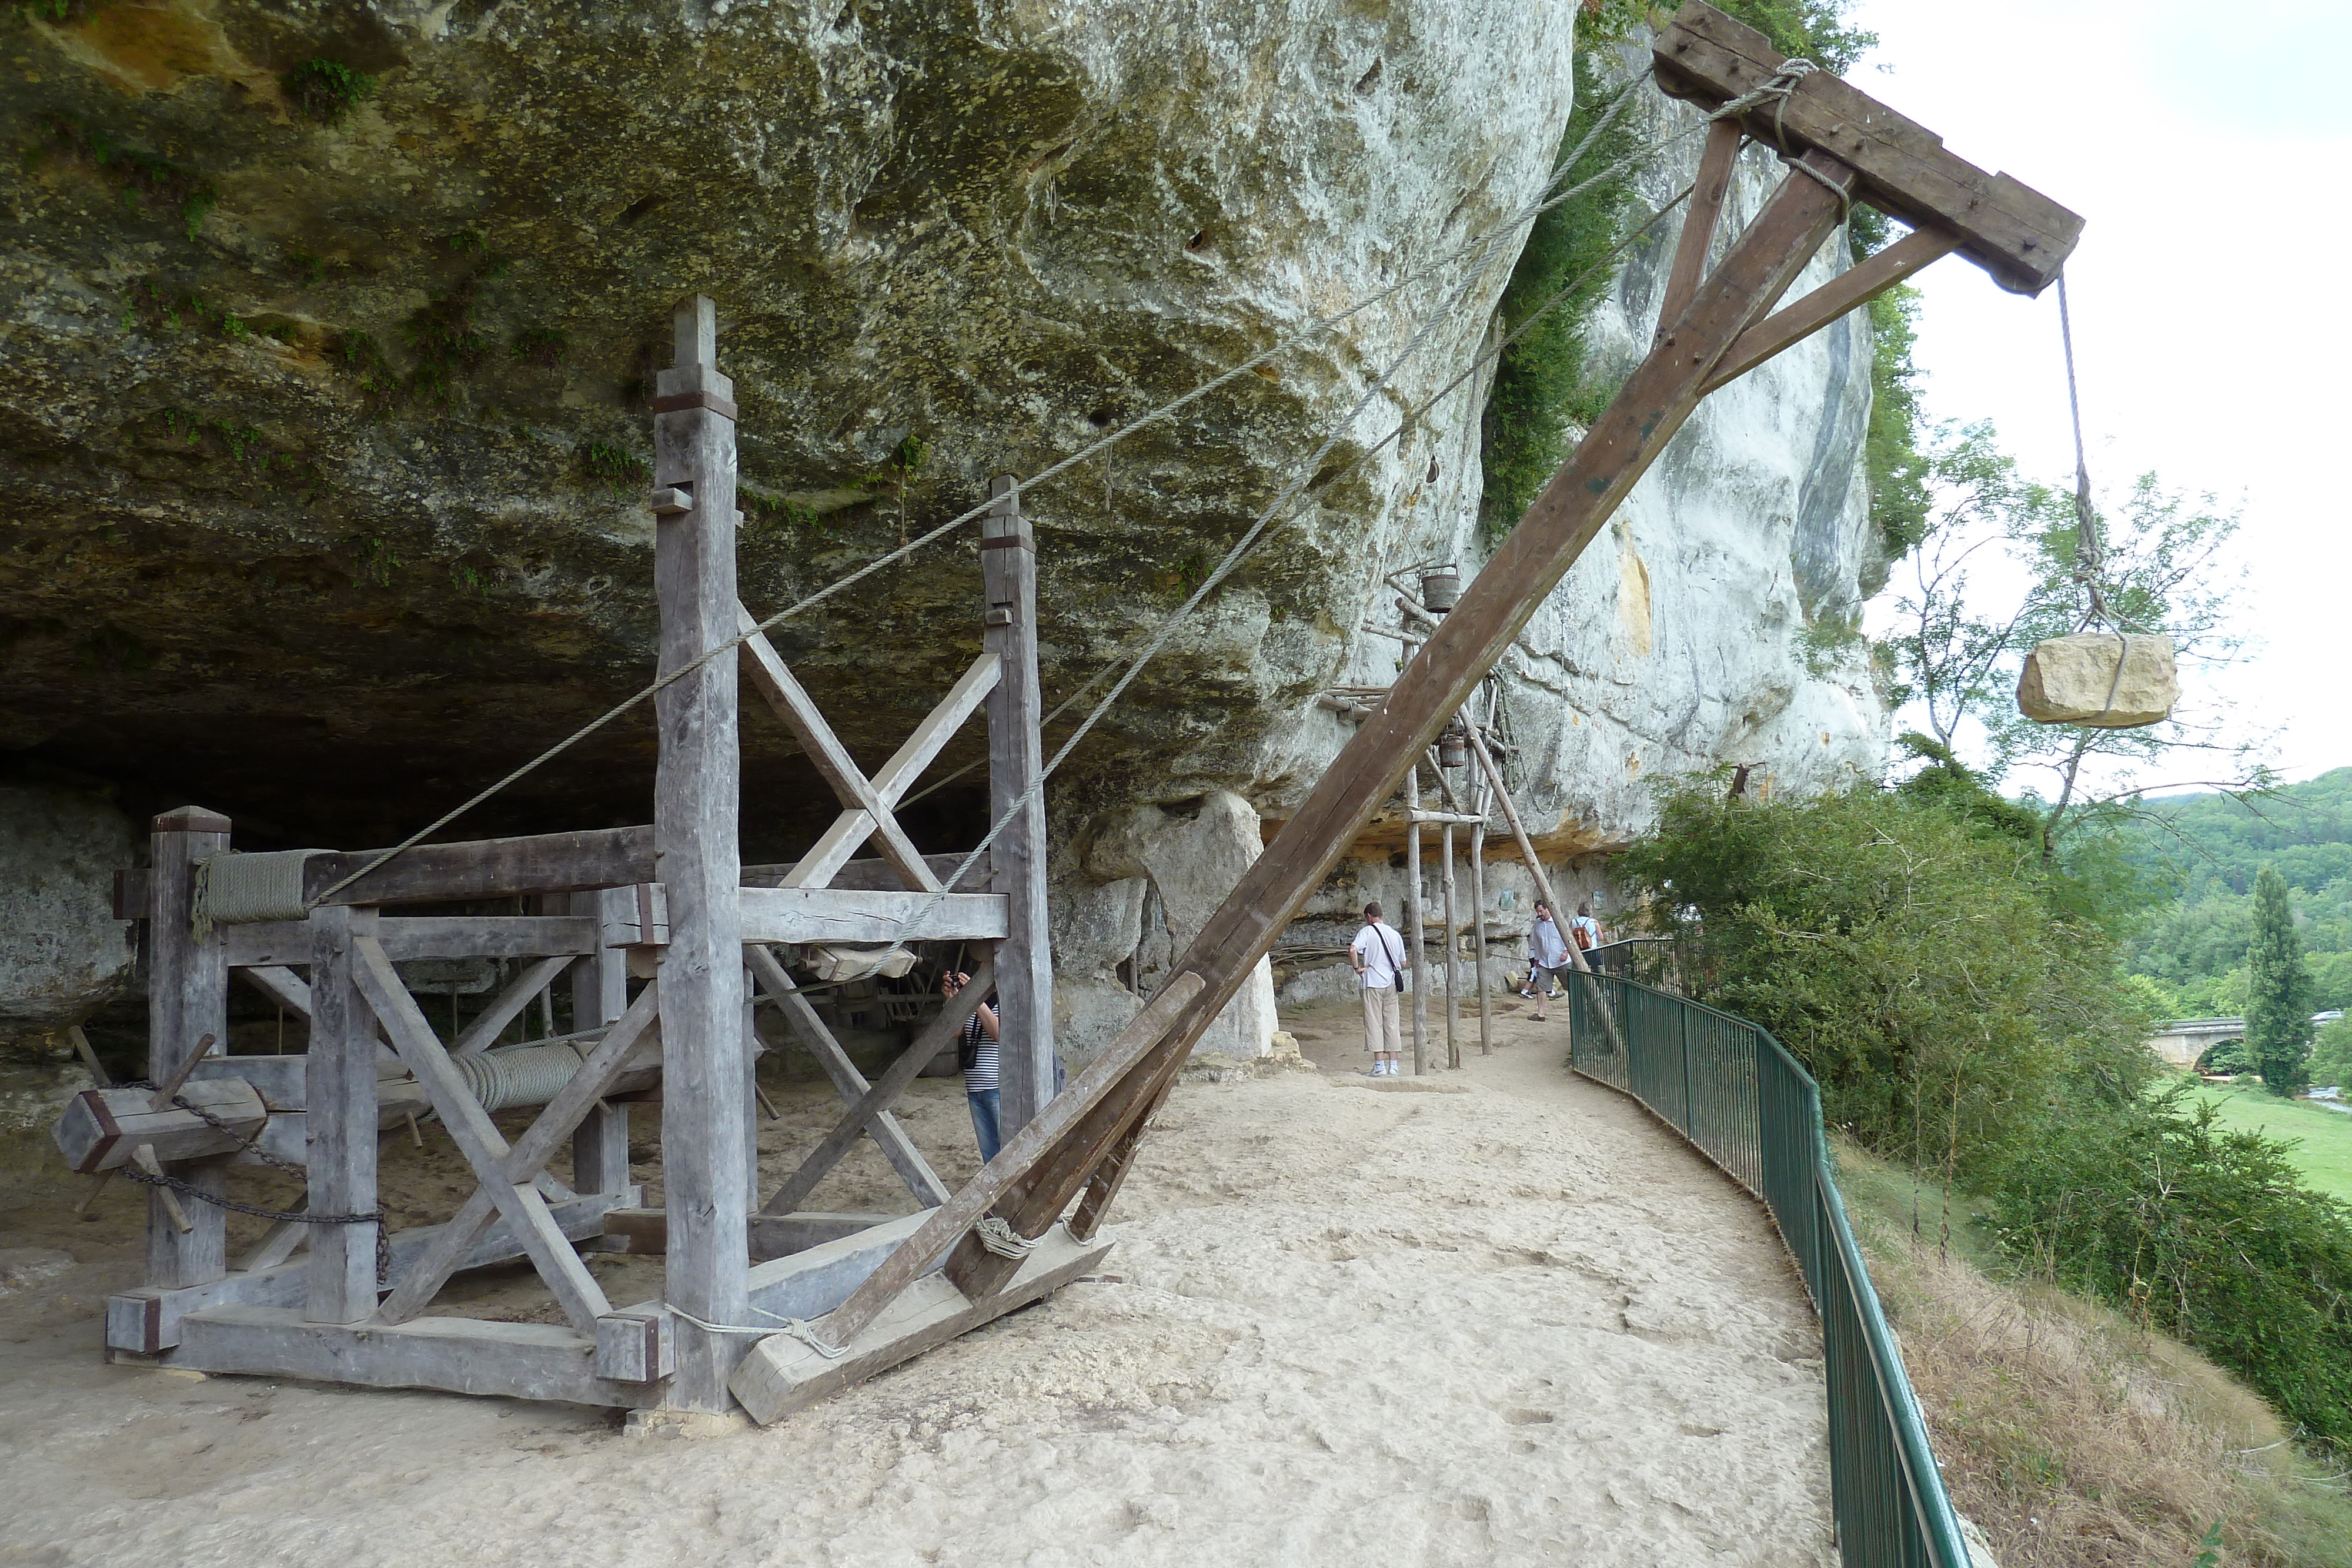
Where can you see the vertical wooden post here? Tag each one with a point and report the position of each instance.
(698, 788)
(342, 1121)
(1478, 794)
(752, 1048)
(600, 993)
(1453, 947)
(187, 999)
(1025, 959)
(1415, 931)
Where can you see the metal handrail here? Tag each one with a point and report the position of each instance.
(1748, 1105)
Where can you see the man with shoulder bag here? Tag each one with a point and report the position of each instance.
(1378, 954)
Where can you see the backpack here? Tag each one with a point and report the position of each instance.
(1584, 938)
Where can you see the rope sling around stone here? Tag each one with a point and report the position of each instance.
(2113, 677)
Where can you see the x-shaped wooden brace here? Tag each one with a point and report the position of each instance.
(507, 1173)
(868, 805)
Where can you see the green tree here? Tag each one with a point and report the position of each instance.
(2278, 1000)
(2331, 1054)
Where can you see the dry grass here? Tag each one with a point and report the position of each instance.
(2072, 1439)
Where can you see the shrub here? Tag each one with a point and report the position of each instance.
(325, 90)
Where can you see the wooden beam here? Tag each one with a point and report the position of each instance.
(187, 1007)
(1441, 676)
(870, 876)
(457, 1356)
(929, 1041)
(147, 1320)
(697, 789)
(782, 1374)
(1071, 1131)
(341, 1102)
(100, 1127)
(486, 868)
(847, 1081)
(1717, 162)
(646, 1230)
(277, 943)
(479, 1138)
(597, 1072)
(896, 777)
(1016, 758)
(600, 995)
(1857, 285)
(2016, 234)
(831, 915)
(519, 993)
(789, 701)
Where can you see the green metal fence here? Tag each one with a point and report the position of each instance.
(1743, 1100)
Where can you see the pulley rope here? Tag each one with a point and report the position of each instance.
(1780, 86)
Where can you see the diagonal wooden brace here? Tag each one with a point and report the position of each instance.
(1046, 1138)
(878, 1101)
(504, 1174)
(775, 680)
(847, 1081)
(484, 1030)
(896, 777)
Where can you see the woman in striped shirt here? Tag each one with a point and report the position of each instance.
(978, 1053)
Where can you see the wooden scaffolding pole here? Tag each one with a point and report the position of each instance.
(1025, 959)
(188, 1013)
(696, 790)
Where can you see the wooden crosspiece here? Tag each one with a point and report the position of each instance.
(1715, 324)
(507, 1175)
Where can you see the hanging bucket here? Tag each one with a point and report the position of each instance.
(2077, 680)
(1441, 588)
(1453, 750)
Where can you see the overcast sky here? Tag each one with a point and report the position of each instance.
(2209, 150)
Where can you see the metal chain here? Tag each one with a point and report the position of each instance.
(250, 1147)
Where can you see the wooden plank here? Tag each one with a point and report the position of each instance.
(885, 1092)
(1717, 162)
(457, 1356)
(696, 806)
(486, 868)
(783, 1373)
(847, 1081)
(575, 1289)
(646, 1230)
(1075, 1127)
(152, 1317)
(279, 984)
(832, 915)
(896, 777)
(599, 1072)
(872, 875)
(2019, 235)
(1453, 947)
(1440, 678)
(274, 943)
(100, 1127)
(1857, 285)
(342, 1121)
(519, 993)
(187, 1002)
(1016, 706)
(790, 703)
(599, 994)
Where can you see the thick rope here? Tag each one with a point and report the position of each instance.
(998, 1237)
(233, 888)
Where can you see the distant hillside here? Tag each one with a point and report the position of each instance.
(2208, 848)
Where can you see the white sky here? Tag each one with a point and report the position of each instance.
(2210, 151)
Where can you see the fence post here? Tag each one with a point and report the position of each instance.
(1690, 1115)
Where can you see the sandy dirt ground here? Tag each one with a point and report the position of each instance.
(1492, 1316)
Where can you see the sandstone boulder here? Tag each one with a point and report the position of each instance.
(2074, 680)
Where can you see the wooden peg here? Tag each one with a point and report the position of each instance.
(89, 1056)
(143, 1156)
(161, 1099)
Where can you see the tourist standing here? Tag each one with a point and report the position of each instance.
(1547, 955)
(978, 1051)
(1378, 954)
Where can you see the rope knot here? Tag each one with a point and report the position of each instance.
(1001, 1238)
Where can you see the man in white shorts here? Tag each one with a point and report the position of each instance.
(1378, 954)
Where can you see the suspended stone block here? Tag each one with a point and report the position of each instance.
(2073, 680)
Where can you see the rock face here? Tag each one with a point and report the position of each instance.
(62, 951)
(326, 418)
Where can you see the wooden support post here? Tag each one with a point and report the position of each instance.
(1453, 947)
(1415, 936)
(1479, 795)
(1716, 164)
(697, 793)
(1025, 959)
(342, 1121)
(600, 993)
(187, 991)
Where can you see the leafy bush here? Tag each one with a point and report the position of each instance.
(2331, 1055)
(2205, 1233)
(1908, 952)
(326, 90)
